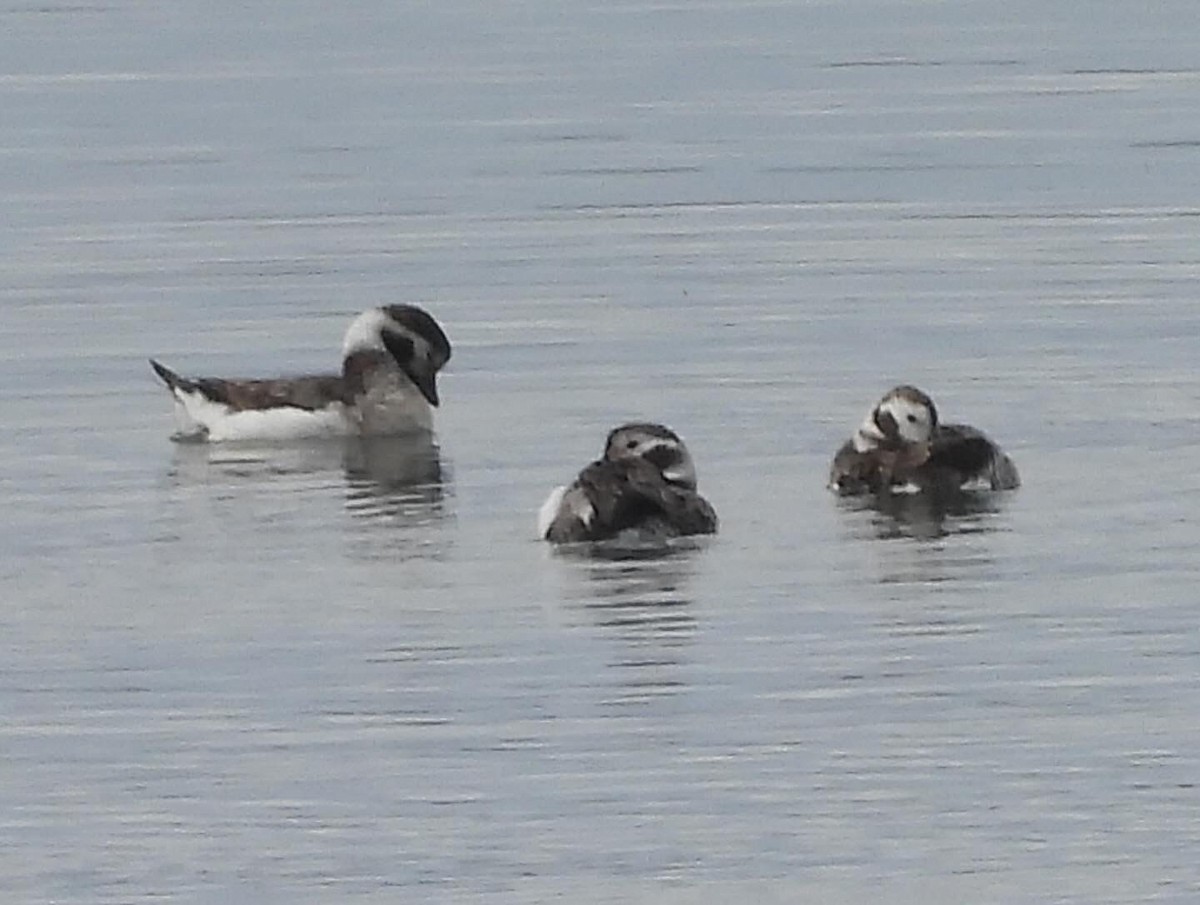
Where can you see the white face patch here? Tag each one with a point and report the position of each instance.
(914, 421)
(366, 331)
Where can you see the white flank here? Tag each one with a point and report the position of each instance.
(549, 510)
(283, 423)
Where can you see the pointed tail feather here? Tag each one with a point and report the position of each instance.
(1004, 475)
(169, 377)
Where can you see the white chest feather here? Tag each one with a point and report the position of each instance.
(565, 502)
(549, 510)
(392, 405)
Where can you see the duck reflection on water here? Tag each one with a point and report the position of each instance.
(927, 540)
(642, 598)
(384, 477)
(394, 476)
(926, 516)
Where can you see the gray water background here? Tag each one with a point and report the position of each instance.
(319, 674)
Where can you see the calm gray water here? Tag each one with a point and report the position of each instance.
(324, 673)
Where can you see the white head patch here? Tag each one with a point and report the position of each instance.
(366, 331)
(656, 445)
(914, 420)
(904, 415)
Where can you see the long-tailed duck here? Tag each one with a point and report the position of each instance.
(642, 489)
(901, 446)
(390, 360)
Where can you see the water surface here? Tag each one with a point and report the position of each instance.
(350, 672)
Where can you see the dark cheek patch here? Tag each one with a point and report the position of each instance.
(886, 423)
(662, 457)
(399, 345)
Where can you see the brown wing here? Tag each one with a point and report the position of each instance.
(962, 449)
(311, 393)
(619, 496)
(671, 508)
(964, 453)
(314, 392)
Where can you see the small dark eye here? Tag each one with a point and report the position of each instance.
(630, 444)
(912, 419)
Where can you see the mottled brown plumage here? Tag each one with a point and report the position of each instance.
(645, 483)
(631, 495)
(308, 392)
(902, 444)
(875, 469)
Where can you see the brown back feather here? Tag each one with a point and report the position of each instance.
(309, 393)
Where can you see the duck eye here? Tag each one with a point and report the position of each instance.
(631, 444)
(912, 419)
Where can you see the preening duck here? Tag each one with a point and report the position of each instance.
(390, 360)
(902, 446)
(643, 488)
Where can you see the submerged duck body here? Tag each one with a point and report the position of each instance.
(643, 489)
(901, 446)
(388, 383)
